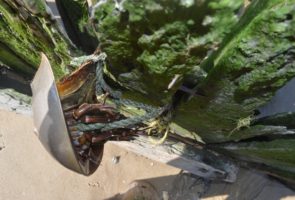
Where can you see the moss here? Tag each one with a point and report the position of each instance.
(244, 74)
(147, 41)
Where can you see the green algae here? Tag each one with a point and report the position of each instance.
(149, 43)
(253, 62)
(9, 58)
(36, 6)
(24, 36)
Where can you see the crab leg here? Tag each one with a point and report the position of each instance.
(87, 108)
(87, 119)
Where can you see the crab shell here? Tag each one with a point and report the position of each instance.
(73, 82)
(49, 102)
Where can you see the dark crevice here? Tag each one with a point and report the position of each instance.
(289, 16)
(266, 138)
(10, 79)
(281, 119)
(81, 39)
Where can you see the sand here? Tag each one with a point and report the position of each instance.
(28, 172)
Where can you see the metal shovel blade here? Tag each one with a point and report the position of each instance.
(49, 120)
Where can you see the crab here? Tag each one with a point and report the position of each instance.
(81, 105)
(69, 102)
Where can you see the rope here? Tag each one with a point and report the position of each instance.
(161, 125)
(161, 140)
(94, 58)
(135, 104)
(242, 123)
(125, 123)
(102, 87)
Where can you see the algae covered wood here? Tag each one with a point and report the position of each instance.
(276, 157)
(26, 30)
(254, 61)
(152, 46)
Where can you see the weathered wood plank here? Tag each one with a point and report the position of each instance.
(200, 162)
